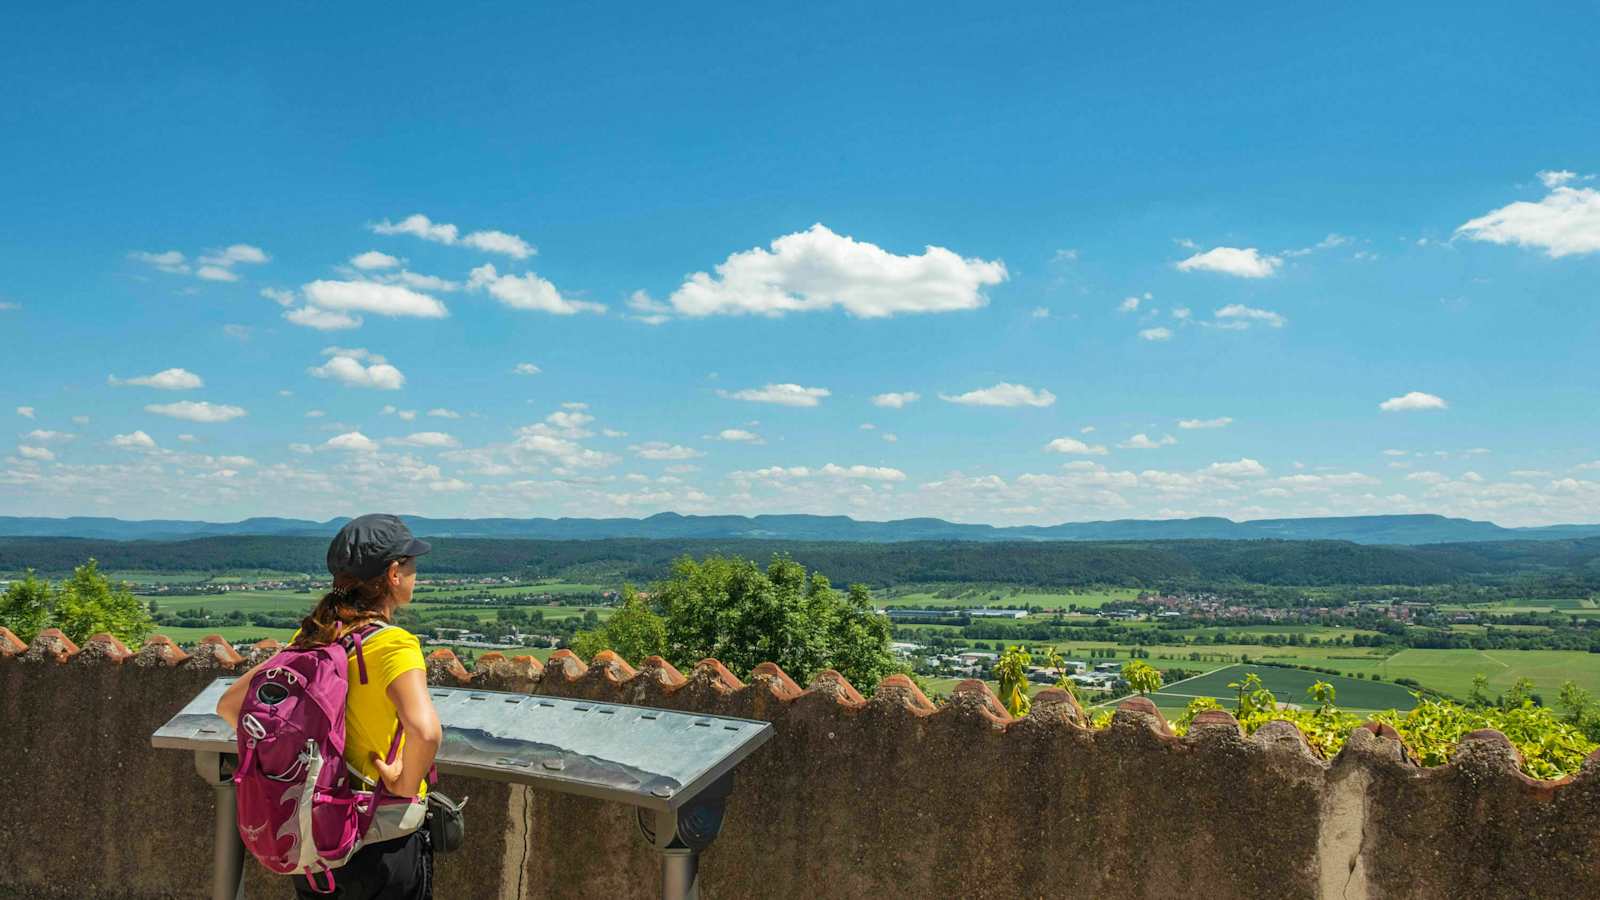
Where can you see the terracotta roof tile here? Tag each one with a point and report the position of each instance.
(51, 644)
(776, 680)
(445, 668)
(159, 650)
(10, 644)
(901, 691)
(215, 653)
(102, 648)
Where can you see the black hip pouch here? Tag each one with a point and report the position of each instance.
(446, 825)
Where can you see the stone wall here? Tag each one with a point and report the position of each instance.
(885, 796)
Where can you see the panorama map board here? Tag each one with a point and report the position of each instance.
(650, 758)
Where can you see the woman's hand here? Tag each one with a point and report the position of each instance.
(390, 773)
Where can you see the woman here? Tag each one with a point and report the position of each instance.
(373, 563)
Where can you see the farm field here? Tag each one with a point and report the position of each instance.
(1289, 685)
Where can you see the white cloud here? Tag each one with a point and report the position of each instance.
(1241, 468)
(420, 282)
(1565, 222)
(372, 297)
(1181, 313)
(781, 394)
(738, 435)
(345, 367)
(1142, 441)
(449, 485)
(429, 439)
(1554, 178)
(1075, 446)
(1040, 312)
(489, 241)
(1219, 422)
(1415, 400)
(817, 269)
(170, 261)
(1131, 304)
(1237, 316)
(315, 413)
(1155, 334)
(38, 454)
(352, 440)
(25, 411)
(237, 332)
(214, 266)
(237, 253)
(499, 242)
(1243, 263)
(80, 420)
(166, 380)
(527, 291)
(569, 423)
(1003, 394)
(137, 440)
(197, 411)
(43, 436)
(322, 319)
(536, 439)
(279, 296)
(896, 399)
(651, 311)
(1394, 452)
(526, 369)
(664, 450)
(443, 413)
(372, 260)
(856, 472)
(300, 448)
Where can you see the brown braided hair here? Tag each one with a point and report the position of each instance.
(350, 604)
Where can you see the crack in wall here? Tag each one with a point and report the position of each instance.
(1342, 836)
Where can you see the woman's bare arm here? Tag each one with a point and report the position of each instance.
(233, 697)
(414, 706)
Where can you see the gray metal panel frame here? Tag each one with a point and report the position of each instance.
(627, 754)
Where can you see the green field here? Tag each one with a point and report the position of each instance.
(1289, 685)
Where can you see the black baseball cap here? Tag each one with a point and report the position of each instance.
(365, 546)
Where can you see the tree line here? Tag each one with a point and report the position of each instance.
(1548, 568)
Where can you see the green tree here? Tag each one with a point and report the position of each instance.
(1012, 671)
(634, 631)
(1480, 691)
(1141, 676)
(1520, 694)
(26, 607)
(88, 604)
(732, 609)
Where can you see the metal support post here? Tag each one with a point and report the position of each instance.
(680, 836)
(227, 859)
(680, 874)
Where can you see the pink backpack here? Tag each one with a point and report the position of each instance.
(300, 812)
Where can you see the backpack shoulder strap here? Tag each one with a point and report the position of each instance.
(352, 644)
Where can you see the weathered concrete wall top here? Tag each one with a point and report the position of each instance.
(885, 796)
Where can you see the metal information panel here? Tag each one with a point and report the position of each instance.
(675, 768)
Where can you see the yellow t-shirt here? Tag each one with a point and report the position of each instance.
(369, 715)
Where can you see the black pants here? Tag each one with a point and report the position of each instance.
(401, 869)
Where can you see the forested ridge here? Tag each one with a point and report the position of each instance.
(1053, 564)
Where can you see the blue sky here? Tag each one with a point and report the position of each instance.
(290, 260)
